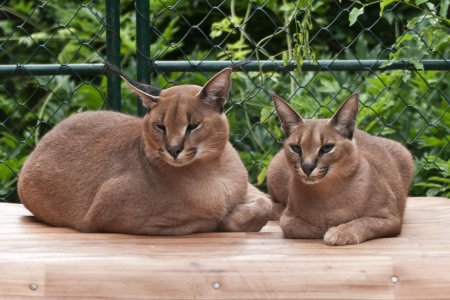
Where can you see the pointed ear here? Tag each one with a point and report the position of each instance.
(344, 120)
(288, 116)
(215, 91)
(147, 100)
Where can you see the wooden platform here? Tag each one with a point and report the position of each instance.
(40, 261)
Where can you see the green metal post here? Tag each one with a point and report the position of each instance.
(142, 46)
(113, 52)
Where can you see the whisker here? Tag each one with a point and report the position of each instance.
(215, 143)
(206, 148)
(135, 137)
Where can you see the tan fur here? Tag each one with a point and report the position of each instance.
(355, 193)
(109, 172)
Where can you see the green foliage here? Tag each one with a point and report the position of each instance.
(411, 106)
(408, 106)
(30, 106)
(439, 184)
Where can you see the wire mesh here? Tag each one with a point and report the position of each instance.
(190, 40)
(43, 33)
(406, 104)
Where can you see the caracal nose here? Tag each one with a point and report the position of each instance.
(174, 150)
(308, 168)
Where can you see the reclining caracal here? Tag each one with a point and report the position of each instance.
(172, 172)
(335, 182)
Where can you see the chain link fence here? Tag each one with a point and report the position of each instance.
(312, 53)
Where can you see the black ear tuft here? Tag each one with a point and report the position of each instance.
(151, 90)
(147, 93)
(239, 64)
(112, 69)
(148, 101)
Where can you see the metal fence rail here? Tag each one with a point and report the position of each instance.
(215, 66)
(51, 66)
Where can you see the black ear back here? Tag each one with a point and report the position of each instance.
(215, 91)
(344, 120)
(289, 117)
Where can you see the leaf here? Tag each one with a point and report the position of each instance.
(440, 179)
(262, 176)
(418, 2)
(418, 65)
(354, 14)
(305, 3)
(414, 21)
(432, 141)
(406, 76)
(444, 8)
(265, 113)
(385, 3)
(433, 192)
(406, 37)
(287, 7)
(429, 185)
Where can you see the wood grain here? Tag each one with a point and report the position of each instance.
(63, 263)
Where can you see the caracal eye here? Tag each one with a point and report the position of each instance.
(296, 148)
(159, 126)
(192, 126)
(326, 148)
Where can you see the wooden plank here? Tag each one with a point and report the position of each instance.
(423, 277)
(20, 278)
(64, 263)
(153, 278)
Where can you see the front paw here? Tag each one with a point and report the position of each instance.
(250, 217)
(340, 236)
